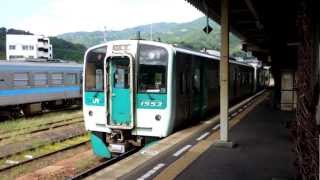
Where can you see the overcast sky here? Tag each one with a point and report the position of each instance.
(52, 17)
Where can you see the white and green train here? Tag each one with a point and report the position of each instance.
(136, 89)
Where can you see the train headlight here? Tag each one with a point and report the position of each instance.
(158, 117)
(90, 113)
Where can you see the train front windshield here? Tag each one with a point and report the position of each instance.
(152, 75)
(94, 69)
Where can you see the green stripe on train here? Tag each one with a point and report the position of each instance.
(94, 98)
(151, 101)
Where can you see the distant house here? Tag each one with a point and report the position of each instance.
(25, 46)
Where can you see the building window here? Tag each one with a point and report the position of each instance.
(12, 47)
(16, 57)
(43, 49)
(25, 47)
(31, 47)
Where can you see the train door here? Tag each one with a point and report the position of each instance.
(120, 92)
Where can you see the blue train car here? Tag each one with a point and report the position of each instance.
(31, 87)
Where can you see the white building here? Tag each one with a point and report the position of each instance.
(21, 47)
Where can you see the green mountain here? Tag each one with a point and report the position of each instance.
(66, 50)
(188, 35)
(3, 43)
(61, 49)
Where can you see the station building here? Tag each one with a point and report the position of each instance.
(22, 47)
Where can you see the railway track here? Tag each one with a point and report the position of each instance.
(40, 128)
(40, 125)
(6, 156)
(42, 156)
(104, 164)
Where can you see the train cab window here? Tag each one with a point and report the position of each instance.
(40, 79)
(20, 79)
(152, 75)
(152, 79)
(94, 73)
(71, 79)
(56, 79)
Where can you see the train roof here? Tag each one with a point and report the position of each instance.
(38, 66)
(42, 64)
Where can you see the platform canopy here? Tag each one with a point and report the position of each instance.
(260, 24)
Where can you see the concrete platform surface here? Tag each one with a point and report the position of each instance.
(264, 150)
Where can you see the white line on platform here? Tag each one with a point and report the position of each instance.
(203, 136)
(186, 147)
(152, 171)
(216, 127)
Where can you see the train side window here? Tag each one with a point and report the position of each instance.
(56, 79)
(212, 83)
(182, 83)
(40, 79)
(235, 74)
(242, 78)
(196, 84)
(20, 79)
(71, 79)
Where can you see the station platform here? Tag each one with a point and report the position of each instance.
(263, 151)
